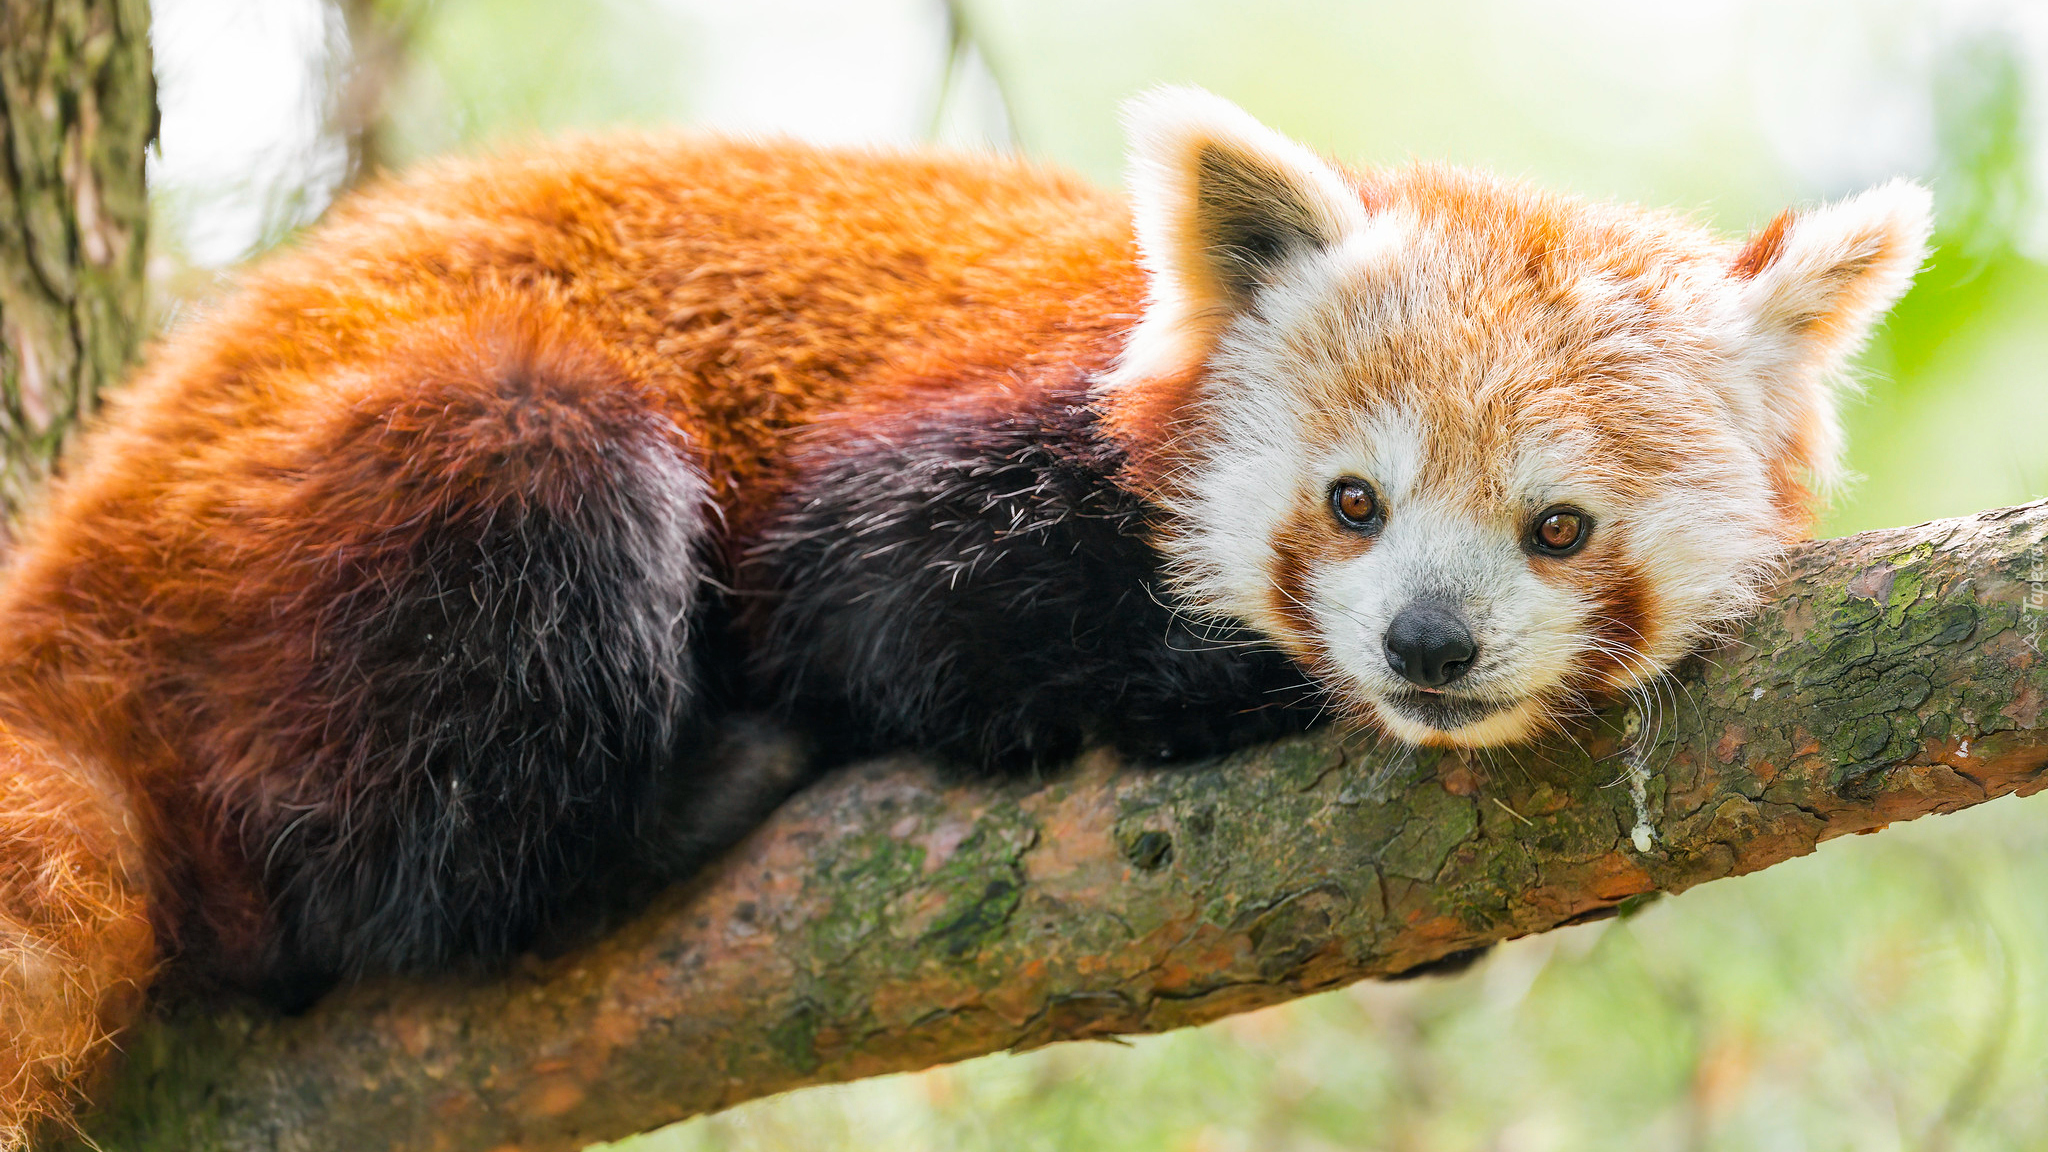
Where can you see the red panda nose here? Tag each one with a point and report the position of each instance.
(1429, 645)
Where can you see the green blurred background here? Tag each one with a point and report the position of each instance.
(1888, 993)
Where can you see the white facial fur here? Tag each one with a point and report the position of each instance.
(1700, 543)
(1433, 550)
(1399, 346)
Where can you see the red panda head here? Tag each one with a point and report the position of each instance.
(1473, 453)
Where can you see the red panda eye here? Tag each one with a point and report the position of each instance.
(1561, 531)
(1354, 504)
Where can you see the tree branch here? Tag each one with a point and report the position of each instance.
(887, 919)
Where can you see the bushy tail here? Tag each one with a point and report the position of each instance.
(76, 948)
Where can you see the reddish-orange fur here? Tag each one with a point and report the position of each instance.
(753, 287)
(1763, 249)
(76, 946)
(169, 595)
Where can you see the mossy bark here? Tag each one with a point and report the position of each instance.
(888, 919)
(77, 112)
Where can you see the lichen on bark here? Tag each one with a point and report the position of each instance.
(77, 113)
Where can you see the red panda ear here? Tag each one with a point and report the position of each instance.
(1221, 203)
(1808, 288)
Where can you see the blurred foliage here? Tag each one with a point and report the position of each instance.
(1956, 413)
(375, 50)
(491, 69)
(1887, 993)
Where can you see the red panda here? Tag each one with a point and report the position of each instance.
(364, 630)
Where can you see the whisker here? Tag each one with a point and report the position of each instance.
(1299, 603)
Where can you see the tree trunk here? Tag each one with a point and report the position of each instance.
(77, 111)
(887, 919)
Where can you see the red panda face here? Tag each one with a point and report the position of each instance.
(1475, 455)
